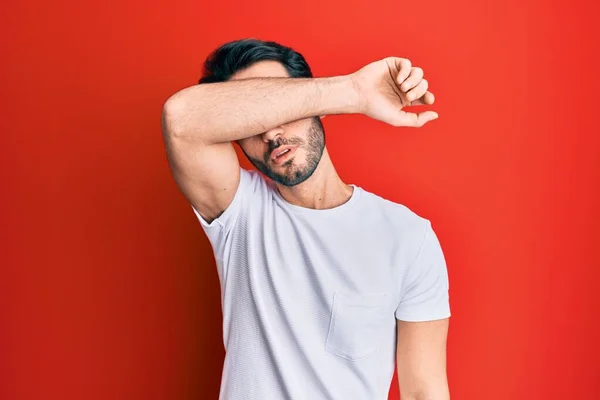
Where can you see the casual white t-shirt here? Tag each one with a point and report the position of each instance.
(310, 297)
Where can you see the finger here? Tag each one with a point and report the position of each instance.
(416, 75)
(418, 91)
(427, 99)
(414, 120)
(404, 68)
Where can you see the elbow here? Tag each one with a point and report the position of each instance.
(171, 118)
(439, 393)
(431, 396)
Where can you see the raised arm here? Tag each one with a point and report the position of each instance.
(200, 122)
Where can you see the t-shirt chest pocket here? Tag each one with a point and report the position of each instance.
(356, 325)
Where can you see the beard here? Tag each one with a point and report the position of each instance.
(292, 175)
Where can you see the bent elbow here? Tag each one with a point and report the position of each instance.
(171, 118)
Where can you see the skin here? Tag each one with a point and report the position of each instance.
(262, 109)
(325, 189)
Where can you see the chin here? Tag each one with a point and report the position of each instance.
(293, 177)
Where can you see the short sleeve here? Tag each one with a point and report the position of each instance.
(218, 229)
(425, 285)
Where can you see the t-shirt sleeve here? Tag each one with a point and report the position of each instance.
(425, 285)
(219, 228)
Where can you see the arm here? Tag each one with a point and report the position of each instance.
(226, 111)
(200, 122)
(421, 360)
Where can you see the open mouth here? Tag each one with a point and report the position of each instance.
(281, 155)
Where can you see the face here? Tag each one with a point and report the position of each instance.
(290, 153)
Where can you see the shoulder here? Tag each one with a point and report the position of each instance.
(253, 182)
(406, 225)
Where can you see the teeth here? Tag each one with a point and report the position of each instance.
(283, 152)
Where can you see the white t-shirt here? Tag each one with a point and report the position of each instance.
(310, 297)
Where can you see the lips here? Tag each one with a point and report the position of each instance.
(275, 153)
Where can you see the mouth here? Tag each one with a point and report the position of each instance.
(281, 154)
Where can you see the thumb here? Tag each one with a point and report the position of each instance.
(415, 120)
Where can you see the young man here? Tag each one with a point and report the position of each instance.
(324, 284)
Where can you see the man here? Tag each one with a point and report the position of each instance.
(324, 284)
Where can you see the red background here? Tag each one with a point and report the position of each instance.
(107, 283)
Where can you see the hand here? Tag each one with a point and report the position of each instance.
(386, 86)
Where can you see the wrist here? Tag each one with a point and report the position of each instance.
(340, 95)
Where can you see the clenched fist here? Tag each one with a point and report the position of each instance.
(386, 86)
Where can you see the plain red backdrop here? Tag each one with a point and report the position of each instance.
(108, 286)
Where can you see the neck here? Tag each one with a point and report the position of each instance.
(323, 190)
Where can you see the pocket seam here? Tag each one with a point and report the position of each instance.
(378, 300)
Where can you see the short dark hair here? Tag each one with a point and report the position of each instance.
(237, 55)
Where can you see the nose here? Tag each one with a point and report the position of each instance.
(271, 134)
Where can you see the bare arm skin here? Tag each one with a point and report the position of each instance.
(421, 360)
(200, 122)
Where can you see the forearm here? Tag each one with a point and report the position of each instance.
(227, 111)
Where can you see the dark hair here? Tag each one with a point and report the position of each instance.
(236, 55)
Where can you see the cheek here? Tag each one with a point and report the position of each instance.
(253, 148)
